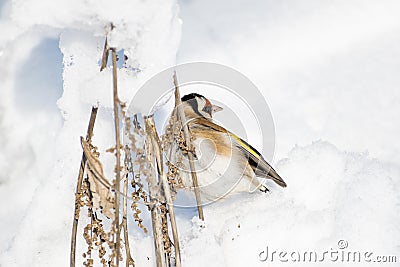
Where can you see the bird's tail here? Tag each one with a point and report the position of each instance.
(273, 175)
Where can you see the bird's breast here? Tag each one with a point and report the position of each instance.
(219, 164)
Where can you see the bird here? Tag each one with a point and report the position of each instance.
(224, 162)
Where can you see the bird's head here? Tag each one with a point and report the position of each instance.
(197, 105)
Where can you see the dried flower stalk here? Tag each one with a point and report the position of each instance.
(136, 183)
(102, 197)
(165, 235)
(173, 133)
(156, 145)
(154, 198)
(129, 260)
(78, 194)
(94, 234)
(118, 156)
(100, 188)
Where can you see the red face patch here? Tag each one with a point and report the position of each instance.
(208, 107)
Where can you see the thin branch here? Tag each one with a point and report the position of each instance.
(186, 133)
(78, 192)
(118, 154)
(163, 178)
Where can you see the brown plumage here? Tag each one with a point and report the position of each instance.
(207, 129)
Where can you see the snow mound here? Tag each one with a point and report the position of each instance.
(331, 196)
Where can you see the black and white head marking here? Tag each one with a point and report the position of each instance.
(200, 105)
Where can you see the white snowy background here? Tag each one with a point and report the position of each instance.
(328, 69)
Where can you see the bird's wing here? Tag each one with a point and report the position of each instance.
(259, 165)
(207, 124)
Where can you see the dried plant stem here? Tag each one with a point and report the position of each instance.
(163, 178)
(79, 187)
(104, 58)
(129, 260)
(186, 133)
(153, 205)
(118, 155)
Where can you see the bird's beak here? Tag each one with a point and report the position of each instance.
(216, 108)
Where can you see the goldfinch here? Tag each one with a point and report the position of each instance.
(224, 162)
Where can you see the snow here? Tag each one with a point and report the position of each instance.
(313, 214)
(329, 72)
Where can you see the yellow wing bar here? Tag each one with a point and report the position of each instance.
(246, 146)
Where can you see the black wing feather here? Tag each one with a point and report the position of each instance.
(259, 165)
